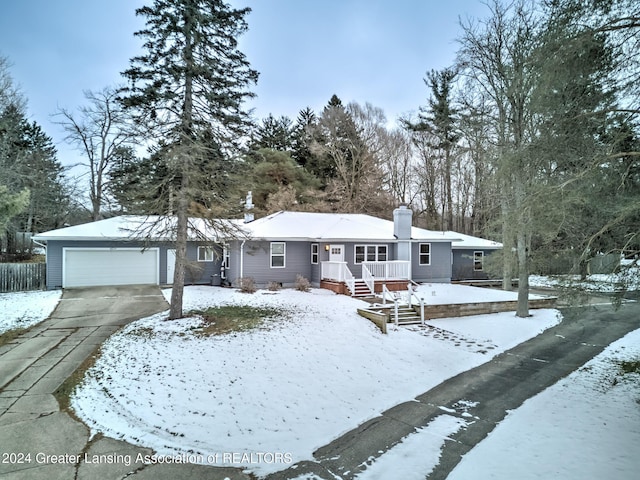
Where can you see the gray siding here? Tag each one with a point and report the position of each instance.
(256, 263)
(197, 273)
(440, 269)
(256, 256)
(463, 264)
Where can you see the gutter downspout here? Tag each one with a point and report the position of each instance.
(242, 258)
(410, 261)
(43, 245)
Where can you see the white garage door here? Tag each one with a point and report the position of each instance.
(87, 267)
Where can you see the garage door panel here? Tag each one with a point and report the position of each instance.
(117, 266)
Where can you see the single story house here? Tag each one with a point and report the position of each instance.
(345, 252)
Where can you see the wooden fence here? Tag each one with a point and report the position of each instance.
(17, 277)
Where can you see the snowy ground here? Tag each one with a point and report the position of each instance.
(585, 426)
(444, 293)
(628, 279)
(23, 309)
(287, 388)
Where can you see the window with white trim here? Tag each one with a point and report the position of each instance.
(314, 253)
(278, 252)
(370, 253)
(205, 254)
(478, 260)
(425, 253)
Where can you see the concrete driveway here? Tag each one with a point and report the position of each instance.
(106, 306)
(37, 440)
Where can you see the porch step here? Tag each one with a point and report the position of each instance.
(361, 290)
(406, 316)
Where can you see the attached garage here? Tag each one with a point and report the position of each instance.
(88, 267)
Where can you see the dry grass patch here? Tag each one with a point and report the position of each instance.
(10, 335)
(235, 318)
(64, 392)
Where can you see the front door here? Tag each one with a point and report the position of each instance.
(171, 265)
(336, 253)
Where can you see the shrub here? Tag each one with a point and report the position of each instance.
(247, 285)
(302, 283)
(274, 286)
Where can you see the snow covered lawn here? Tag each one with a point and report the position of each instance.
(444, 293)
(628, 279)
(286, 388)
(23, 309)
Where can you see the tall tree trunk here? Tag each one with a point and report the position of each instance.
(449, 195)
(182, 166)
(507, 244)
(523, 276)
(522, 249)
(182, 221)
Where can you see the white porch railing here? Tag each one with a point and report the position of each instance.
(350, 280)
(335, 271)
(412, 293)
(390, 270)
(338, 271)
(368, 278)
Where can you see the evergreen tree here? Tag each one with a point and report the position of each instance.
(439, 120)
(274, 133)
(28, 162)
(333, 140)
(575, 64)
(303, 138)
(42, 174)
(275, 173)
(189, 86)
(346, 143)
(597, 44)
(11, 204)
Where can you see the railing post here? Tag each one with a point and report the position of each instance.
(395, 310)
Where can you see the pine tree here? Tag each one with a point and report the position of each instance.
(303, 138)
(28, 162)
(439, 120)
(188, 90)
(274, 133)
(596, 44)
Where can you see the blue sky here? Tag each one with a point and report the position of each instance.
(375, 51)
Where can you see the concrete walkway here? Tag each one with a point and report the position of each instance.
(37, 440)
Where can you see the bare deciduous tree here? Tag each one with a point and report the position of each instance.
(496, 55)
(99, 130)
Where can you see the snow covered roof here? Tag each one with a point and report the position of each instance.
(469, 241)
(332, 226)
(132, 227)
(292, 226)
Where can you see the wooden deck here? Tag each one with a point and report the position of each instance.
(341, 287)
